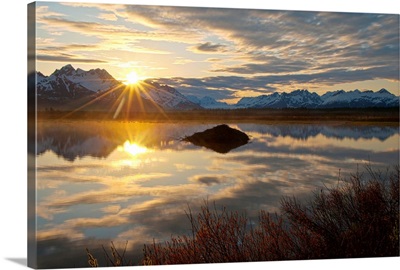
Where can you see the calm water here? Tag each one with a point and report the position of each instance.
(112, 181)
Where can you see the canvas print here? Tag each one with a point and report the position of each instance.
(166, 135)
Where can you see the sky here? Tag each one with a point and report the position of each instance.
(224, 53)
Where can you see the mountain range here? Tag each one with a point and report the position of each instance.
(69, 88)
(335, 99)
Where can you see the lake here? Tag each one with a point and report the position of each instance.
(102, 181)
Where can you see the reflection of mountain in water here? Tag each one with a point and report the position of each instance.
(304, 132)
(72, 140)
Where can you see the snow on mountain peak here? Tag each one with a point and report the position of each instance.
(165, 96)
(65, 70)
(358, 99)
(94, 80)
(296, 99)
(208, 102)
(334, 99)
(69, 82)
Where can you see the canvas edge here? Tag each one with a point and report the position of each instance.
(32, 139)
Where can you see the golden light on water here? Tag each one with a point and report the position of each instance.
(134, 149)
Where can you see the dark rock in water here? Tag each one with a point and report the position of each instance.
(221, 139)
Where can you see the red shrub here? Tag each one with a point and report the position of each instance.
(356, 218)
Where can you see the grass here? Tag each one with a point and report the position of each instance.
(356, 218)
(389, 116)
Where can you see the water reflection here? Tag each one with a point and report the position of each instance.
(73, 140)
(134, 149)
(103, 181)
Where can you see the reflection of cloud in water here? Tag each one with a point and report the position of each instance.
(209, 179)
(270, 162)
(73, 140)
(183, 167)
(116, 193)
(106, 200)
(330, 152)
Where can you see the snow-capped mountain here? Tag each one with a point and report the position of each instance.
(358, 99)
(295, 99)
(70, 82)
(208, 102)
(165, 96)
(69, 88)
(336, 99)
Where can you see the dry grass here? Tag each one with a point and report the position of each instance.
(357, 218)
(377, 116)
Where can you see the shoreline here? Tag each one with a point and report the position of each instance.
(380, 117)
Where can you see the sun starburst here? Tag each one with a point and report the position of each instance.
(132, 78)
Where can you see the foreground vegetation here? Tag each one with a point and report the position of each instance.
(359, 217)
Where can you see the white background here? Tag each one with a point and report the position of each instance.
(13, 104)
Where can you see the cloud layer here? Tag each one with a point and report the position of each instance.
(252, 50)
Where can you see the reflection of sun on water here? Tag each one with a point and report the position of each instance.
(134, 149)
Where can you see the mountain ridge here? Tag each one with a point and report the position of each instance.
(332, 99)
(68, 87)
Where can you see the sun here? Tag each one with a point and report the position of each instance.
(132, 78)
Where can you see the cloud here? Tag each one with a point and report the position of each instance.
(214, 59)
(86, 28)
(111, 209)
(336, 45)
(231, 86)
(90, 5)
(45, 11)
(67, 47)
(54, 58)
(48, 234)
(208, 47)
(277, 66)
(270, 49)
(109, 34)
(105, 221)
(108, 16)
(218, 87)
(182, 61)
